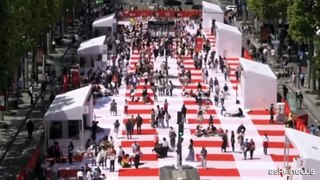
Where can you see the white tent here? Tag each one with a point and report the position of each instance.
(258, 85)
(308, 148)
(228, 41)
(93, 46)
(105, 25)
(209, 12)
(68, 115)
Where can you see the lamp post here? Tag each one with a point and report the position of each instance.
(166, 55)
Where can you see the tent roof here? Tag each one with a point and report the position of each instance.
(92, 46)
(105, 21)
(67, 106)
(227, 27)
(307, 145)
(211, 8)
(256, 67)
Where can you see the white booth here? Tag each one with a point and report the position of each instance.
(228, 41)
(258, 85)
(90, 53)
(106, 25)
(308, 148)
(211, 11)
(69, 118)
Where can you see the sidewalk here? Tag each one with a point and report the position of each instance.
(311, 104)
(20, 151)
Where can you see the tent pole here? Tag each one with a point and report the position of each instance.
(286, 152)
(82, 134)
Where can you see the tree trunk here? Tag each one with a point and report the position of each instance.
(310, 55)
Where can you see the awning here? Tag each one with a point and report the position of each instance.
(93, 46)
(106, 21)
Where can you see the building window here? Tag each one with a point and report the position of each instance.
(73, 129)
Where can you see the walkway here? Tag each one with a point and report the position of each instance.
(221, 165)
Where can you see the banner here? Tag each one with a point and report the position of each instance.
(162, 13)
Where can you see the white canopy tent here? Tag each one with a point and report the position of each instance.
(67, 117)
(308, 148)
(258, 85)
(228, 41)
(94, 46)
(209, 12)
(105, 25)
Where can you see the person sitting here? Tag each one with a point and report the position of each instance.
(220, 131)
(223, 111)
(125, 161)
(161, 151)
(132, 94)
(239, 113)
(192, 94)
(198, 132)
(211, 130)
(184, 93)
(199, 86)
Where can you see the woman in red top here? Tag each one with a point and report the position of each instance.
(165, 105)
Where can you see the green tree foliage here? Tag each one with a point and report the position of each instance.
(22, 21)
(302, 20)
(267, 10)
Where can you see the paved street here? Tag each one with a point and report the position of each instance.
(20, 151)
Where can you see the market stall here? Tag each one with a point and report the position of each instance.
(228, 41)
(106, 25)
(258, 85)
(68, 117)
(211, 12)
(308, 148)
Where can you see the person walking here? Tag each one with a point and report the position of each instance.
(129, 129)
(184, 113)
(70, 152)
(300, 99)
(172, 138)
(290, 119)
(139, 122)
(285, 92)
(30, 128)
(30, 93)
(271, 111)
(112, 157)
(252, 148)
(265, 144)
(113, 108)
(203, 156)
(232, 140)
(245, 148)
(120, 154)
(224, 142)
(116, 126)
(126, 107)
(191, 151)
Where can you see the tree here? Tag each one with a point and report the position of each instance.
(267, 10)
(303, 19)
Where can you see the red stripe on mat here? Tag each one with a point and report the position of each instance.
(138, 94)
(264, 122)
(139, 111)
(144, 121)
(196, 74)
(233, 63)
(143, 132)
(197, 143)
(271, 132)
(196, 80)
(281, 158)
(258, 112)
(195, 111)
(138, 103)
(191, 102)
(194, 88)
(232, 59)
(135, 58)
(188, 63)
(234, 87)
(217, 157)
(234, 81)
(206, 121)
(139, 172)
(279, 145)
(142, 143)
(219, 172)
(149, 157)
(141, 87)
